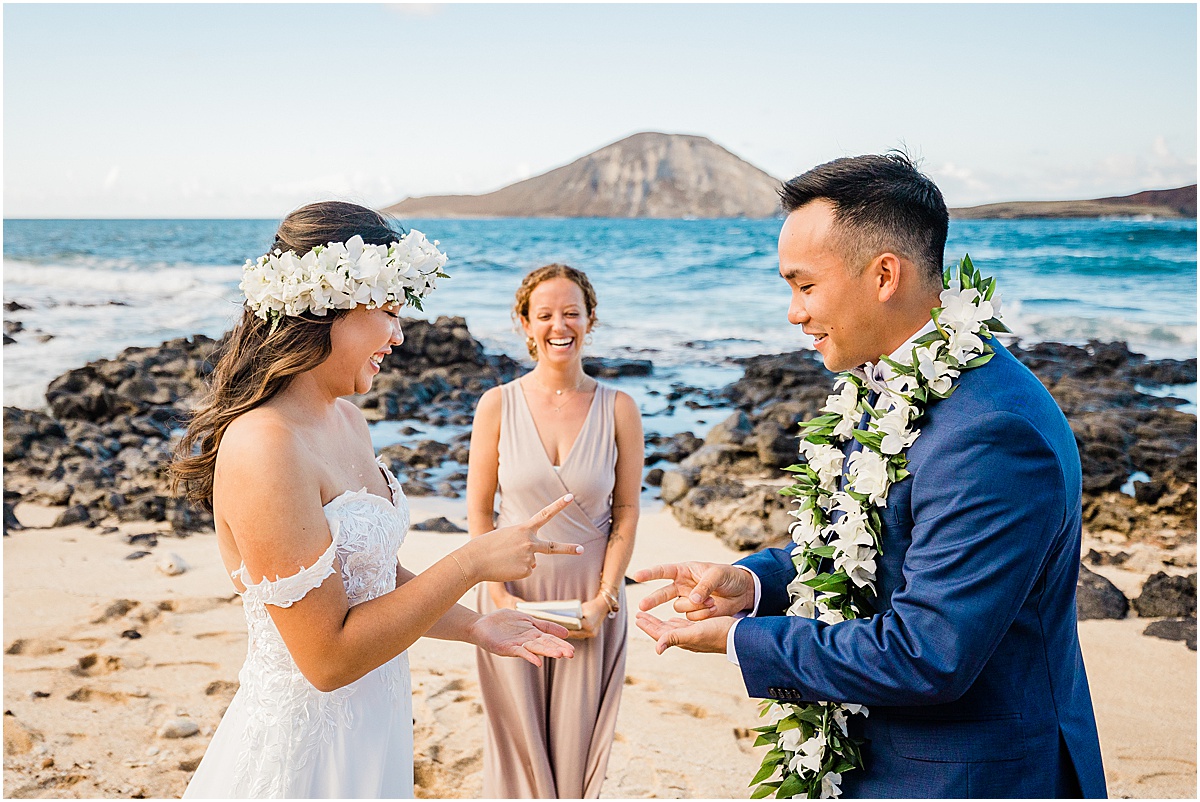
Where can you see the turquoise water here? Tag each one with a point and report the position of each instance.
(688, 294)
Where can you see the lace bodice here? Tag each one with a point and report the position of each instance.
(289, 717)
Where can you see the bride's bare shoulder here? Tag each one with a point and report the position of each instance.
(258, 439)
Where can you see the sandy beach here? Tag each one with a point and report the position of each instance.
(105, 654)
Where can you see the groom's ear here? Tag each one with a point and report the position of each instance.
(887, 270)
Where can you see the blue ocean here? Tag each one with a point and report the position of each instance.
(687, 294)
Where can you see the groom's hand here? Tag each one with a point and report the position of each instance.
(700, 590)
(695, 636)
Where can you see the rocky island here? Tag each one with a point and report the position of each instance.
(645, 175)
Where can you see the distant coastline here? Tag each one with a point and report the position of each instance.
(1161, 204)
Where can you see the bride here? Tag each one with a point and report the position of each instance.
(309, 522)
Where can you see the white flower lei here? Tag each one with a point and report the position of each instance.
(342, 276)
(810, 743)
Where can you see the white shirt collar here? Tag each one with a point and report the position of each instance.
(908, 344)
(871, 371)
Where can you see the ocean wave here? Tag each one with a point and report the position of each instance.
(113, 282)
(1156, 340)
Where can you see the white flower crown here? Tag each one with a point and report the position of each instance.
(342, 276)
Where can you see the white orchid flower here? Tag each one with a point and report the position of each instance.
(804, 531)
(958, 307)
(831, 786)
(790, 740)
(964, 345)
(896, 434)
(859, 565)
(937, 374)
(844, 403)
(900, 387)
(809, 754)
(964, 310)
(831, 617)
(826, 460)
(868, 474)
(804, 600)
(776, 713)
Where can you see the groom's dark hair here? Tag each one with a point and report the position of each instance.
(880, 203)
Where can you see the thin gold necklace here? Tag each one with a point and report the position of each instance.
(571, 390)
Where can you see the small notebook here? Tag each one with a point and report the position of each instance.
(567, 612)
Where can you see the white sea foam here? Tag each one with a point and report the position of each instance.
(78, 314)
(116, 280)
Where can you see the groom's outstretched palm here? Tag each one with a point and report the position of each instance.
(700, 590)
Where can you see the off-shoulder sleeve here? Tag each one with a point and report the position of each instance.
(286, 591)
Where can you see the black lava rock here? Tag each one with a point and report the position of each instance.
(1164, 595)
(1096, 597)
(1183, 629)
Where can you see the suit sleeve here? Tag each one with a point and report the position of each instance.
(987, 506)
(774, 569)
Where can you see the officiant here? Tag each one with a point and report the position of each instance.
(556, 430)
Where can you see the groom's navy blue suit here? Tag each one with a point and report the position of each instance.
(971, 669)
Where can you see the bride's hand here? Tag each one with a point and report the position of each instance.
(594, 613)
(508, 554)
(508, 633)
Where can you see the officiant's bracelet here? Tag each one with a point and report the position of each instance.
(613, 602)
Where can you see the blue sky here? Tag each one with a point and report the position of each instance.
(251, 110)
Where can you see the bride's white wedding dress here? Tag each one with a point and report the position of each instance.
(281, 737)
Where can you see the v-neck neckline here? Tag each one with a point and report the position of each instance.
(578, 435)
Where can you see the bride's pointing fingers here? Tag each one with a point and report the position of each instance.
(554, 547)
(543, 516)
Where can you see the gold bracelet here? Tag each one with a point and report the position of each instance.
(461, 569)
(613, 601)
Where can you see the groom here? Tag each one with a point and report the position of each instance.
(971, 668)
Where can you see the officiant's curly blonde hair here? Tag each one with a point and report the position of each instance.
(545, 273)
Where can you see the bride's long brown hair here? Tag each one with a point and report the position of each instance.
(256, 362)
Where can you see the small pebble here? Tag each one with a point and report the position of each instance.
(132, 634)
(38, 695)
(178, 728)
(137, 555)
(172, 565)
(152, 751)
(48, 763)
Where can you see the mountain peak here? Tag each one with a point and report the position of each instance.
(647, 174)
